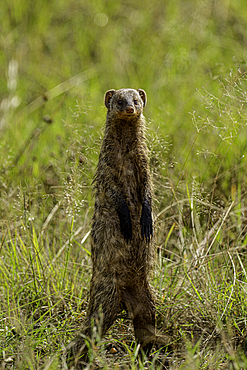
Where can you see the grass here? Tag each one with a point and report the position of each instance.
(56, 61)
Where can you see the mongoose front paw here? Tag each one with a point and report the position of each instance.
(125, 222)
(146, 221)
(126, 230)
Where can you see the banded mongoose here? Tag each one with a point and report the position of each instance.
(122, 226)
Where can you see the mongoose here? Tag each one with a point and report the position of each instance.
(122, 226)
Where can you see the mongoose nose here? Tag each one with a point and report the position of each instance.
(129, 110)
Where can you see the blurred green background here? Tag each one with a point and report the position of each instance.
(57, 58)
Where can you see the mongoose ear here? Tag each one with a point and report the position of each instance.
(143, 95)
(108, 95)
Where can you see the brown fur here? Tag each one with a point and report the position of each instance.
(122, 227)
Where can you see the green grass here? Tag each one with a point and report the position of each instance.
(57, 59)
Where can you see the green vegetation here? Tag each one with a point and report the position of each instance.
(57, 59)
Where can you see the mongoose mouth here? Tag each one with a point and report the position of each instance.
(129, 113)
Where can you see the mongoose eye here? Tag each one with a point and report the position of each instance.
(135, 102)
(120, 102)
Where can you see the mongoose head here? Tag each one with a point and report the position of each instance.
(125, 103)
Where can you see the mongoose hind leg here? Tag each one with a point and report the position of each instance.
(140, 306)
(102, 312)
(144, 326)
(104, 304)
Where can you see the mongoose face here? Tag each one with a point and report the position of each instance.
(125, 103)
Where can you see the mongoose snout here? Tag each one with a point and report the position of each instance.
(130, 109)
